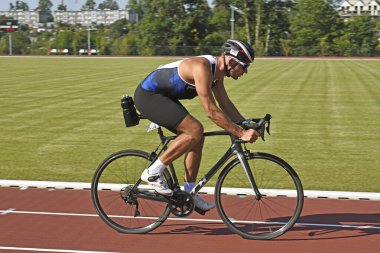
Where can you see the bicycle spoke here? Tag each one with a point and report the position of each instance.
(117, 207)
(265, 217)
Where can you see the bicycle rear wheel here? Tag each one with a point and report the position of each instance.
(266, 218)
(111, 182)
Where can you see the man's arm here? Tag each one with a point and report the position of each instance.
(225, 103)
(203, 78)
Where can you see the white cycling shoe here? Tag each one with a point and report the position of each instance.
(202, 204)
(156, 182)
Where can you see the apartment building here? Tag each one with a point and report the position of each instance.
(350, 8)
(89, 17)
(85, 18)
(31, 18)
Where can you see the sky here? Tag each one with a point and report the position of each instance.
(72, 5)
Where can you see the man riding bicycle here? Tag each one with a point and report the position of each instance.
(157, 98)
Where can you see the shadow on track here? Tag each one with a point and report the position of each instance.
(337, 226)
(311, 227)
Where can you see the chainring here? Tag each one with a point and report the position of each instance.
(181, 204)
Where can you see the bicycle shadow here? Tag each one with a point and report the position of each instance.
(206, 228)
(308, 227)
(338, 225)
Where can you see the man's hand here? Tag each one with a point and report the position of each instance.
(250, 135)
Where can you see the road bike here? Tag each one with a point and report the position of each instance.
(257, 195)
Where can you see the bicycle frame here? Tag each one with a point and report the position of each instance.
(235, 149)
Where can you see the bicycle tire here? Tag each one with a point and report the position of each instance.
(272, 215)
(108, 184)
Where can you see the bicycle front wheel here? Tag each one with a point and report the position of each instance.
(111, 182)
(259, 218)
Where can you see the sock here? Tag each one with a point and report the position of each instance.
(157, 167)
(188, 186)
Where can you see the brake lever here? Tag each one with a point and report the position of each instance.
(261, 132)
(259, 125)
(267, 128)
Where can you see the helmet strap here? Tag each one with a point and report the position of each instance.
(225, 66)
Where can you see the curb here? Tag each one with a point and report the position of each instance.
(24, 184)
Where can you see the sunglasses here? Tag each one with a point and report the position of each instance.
(245, 66)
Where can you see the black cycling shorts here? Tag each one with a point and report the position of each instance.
(160, 109)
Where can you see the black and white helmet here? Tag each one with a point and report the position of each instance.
(240, 50)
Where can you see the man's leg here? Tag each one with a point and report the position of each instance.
(193, 161)
(192, 164)
(190, 132)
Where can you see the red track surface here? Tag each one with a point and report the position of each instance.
(32, 225)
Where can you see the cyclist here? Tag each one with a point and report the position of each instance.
(157, 98)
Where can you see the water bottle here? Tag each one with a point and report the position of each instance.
(129, 112)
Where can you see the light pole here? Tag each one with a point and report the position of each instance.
(9, 26)
(233, 9)
(10, 43)
(89, 39)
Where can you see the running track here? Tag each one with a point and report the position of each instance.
(59, 220)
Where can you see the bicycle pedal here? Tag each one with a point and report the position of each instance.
(200, 211)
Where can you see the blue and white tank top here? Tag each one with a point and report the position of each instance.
(167, 80)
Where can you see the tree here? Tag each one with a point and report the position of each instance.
(258, 4)
(20, 43)
(172, 27)
(220, 21)
(137, 7)
(192, 27)
(314, 27)
(63, 39)
(118, 28)
(19, 5)
(62, 7)
(41, 42)
(276, 26)
(89, 5)
(109, 4)
(358, 38)
(79, 40)
(44, 5)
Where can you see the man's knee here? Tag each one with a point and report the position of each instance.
(192, 128)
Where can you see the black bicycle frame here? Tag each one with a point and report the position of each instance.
(235, 149)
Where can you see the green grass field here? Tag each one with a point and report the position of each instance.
(60, 117)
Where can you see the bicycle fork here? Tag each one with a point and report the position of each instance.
(247, 169)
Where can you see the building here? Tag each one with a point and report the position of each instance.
(350, 8)
(31, 18)
(89, 17)
(84, 18)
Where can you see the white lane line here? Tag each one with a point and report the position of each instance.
(5, 212)
(358, 227)
(52, 250)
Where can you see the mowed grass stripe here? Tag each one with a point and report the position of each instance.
(61, 116)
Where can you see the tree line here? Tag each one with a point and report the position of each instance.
(191, 27)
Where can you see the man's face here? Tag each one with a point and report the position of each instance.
(237, 68)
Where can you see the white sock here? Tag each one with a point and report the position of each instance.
(188, 186)
(157, 167)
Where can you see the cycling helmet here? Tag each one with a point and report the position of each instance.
(240, 50)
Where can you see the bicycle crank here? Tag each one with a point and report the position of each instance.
(181, 204)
